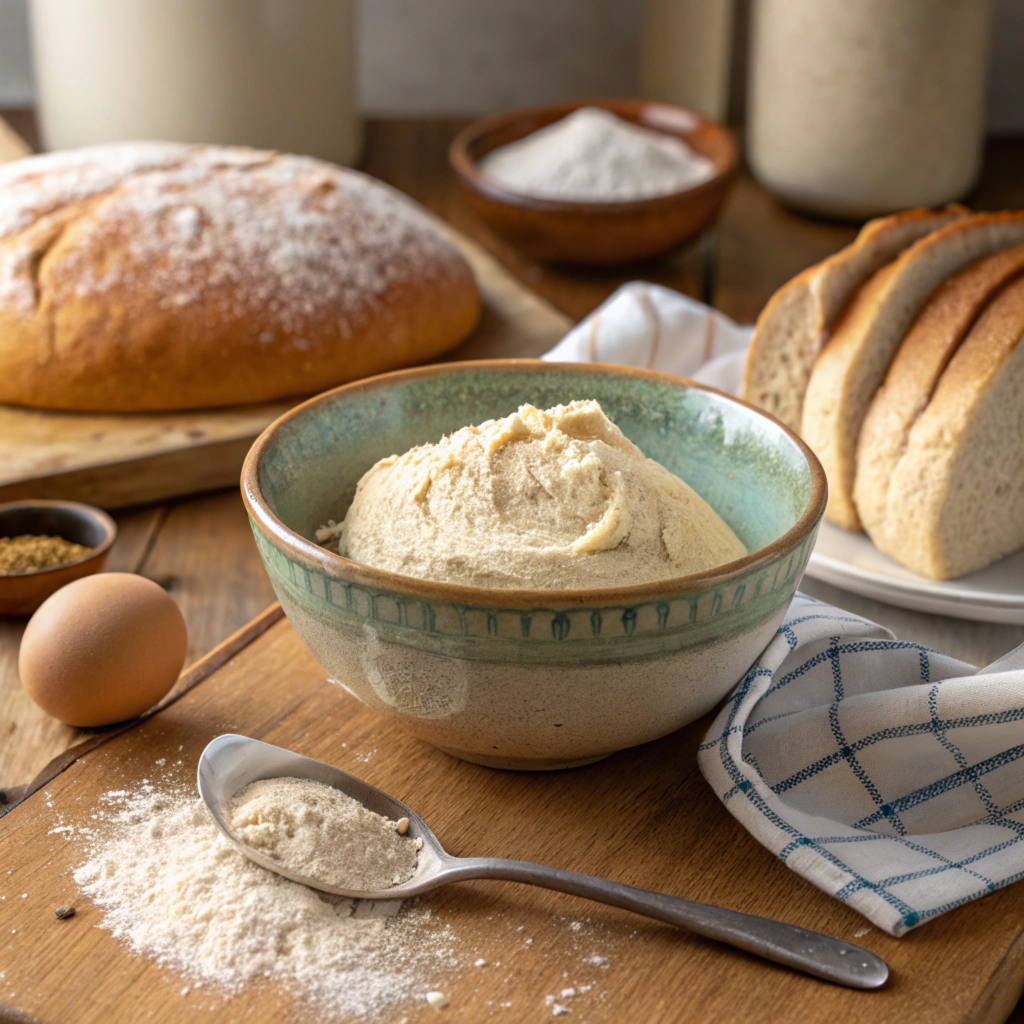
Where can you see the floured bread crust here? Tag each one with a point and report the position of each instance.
(158, 276)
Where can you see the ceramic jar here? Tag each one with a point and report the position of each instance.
(862, 107)
(275, 74)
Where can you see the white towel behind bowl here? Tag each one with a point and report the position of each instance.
(647, 325)
(889, 775)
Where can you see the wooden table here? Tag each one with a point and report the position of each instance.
(201, 550)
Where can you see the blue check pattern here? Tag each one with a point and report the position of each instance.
(889, 775)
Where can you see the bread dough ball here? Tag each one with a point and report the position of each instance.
(558, 498)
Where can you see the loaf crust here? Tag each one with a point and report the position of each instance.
(796, 322)
(955, 502)
(853, 363)
(916, 367)
(156, 276)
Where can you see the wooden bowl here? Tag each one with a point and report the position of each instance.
(600, 234)
(83, 524)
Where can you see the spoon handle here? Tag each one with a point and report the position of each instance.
(811, 952)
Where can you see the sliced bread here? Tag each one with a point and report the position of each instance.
(852, 364)
(795, 324)
(956, 502)
(916, 367)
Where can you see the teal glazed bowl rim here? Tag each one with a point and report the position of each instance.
(314, 556)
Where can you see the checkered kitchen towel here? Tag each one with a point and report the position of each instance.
(890, 776)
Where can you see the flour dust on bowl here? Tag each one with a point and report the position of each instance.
(541, 678)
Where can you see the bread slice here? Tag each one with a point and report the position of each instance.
(851, 366)
(956, 502)
(916, 368)
(795, 324)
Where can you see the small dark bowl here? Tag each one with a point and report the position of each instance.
(82, 524)
(598, 234)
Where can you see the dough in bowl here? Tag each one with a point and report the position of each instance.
(157, 276)
(541, 499)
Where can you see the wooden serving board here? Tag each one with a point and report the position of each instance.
(644, 816)
(120, 460)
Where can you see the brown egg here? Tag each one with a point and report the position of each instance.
(102, 649)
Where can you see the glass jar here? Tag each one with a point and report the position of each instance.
(275, 74)
(861, 107)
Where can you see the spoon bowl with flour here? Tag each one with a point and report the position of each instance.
(244, 781)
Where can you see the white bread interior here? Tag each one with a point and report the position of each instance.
(796, 322)
(956, 501)
(852, 364)
(916, 367)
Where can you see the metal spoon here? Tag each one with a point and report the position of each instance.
(230, 763)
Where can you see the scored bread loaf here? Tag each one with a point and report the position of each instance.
(159, 276)
(851, 366)
(916, 367)
(796, 322)
(957, 493)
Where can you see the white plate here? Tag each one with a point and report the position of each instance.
(849, 560)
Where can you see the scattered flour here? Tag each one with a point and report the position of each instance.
(321, 833)
(594, 156)
(173, 888)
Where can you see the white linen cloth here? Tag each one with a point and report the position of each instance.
(889, 775)
(885, 773)
(647, 325)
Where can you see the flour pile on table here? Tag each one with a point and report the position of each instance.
(173, 888)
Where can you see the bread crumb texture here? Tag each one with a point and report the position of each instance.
(555, 498)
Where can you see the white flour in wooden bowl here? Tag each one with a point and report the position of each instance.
(594, 156)
(172, 888)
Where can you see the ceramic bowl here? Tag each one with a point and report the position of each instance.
(534, 678)
(83, 524)
(601, 234)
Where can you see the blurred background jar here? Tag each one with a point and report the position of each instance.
(862, 107)
(276, 74)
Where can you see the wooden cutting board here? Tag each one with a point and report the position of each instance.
(644, 816)
(118, 460)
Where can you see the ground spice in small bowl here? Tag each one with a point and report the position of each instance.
(30, 553)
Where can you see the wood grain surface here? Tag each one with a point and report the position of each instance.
(644, 817)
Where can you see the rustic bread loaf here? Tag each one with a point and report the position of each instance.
(796, 322)
(916, 367)
(851, 366)
(157, 276)
(957, 493)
